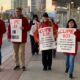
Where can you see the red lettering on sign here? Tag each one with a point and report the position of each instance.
(68, 31)
(45, 31)
(66, 35)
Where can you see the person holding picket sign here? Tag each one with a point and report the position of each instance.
(44, 37)
(55, 28)
(17, 34)
(70, 57)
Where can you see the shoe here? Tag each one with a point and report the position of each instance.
(16, 67)
(66, 71)
(45, 69)
(71, 76)
(49, 68)
(24, 68)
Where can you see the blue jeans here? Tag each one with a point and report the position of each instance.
(70, 63)
(0, 56)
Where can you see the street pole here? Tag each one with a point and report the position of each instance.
(68, 11)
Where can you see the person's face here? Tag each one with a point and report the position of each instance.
(18, 12)
(71, 24)
(45, 19)
(35, 18)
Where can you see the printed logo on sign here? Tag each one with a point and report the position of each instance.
(14, 31)
(15, 37)
(45, 32)
(68, 31)
(16, 23)
(66, 35)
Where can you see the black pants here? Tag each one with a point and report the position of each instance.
(34, 46)
(0, 56)
(54, 53)
(47, 58)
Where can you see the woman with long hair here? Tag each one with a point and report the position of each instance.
(70, 57)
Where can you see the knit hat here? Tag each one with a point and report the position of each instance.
(45, 15)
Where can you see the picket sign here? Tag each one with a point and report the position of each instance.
(16, 32)
(66, 40)
(46, 38)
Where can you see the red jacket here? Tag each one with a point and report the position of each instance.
(26, 28)
(55, 30)
(47, 24)
(2, 30)
(77, 34)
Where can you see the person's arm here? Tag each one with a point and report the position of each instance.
(25, 25)
(77, 33)
(9, 32)
(3, 28)
(55, 31)
(36, 35)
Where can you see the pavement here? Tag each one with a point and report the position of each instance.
(35, 69)
(35, 72)
(6, 48)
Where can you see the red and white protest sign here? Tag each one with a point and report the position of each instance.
(46, 39)
(16, 32)
(66, 40)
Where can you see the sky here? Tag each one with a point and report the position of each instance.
(7, 5)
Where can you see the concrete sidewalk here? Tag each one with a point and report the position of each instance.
(7, 72)
(35, 72)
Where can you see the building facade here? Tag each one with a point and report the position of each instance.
(38, 6)
(20, 3)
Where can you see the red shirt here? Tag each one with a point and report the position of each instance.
(2, 30)
(26, 28)
(46, 24)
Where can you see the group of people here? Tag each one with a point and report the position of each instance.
(33, 27)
